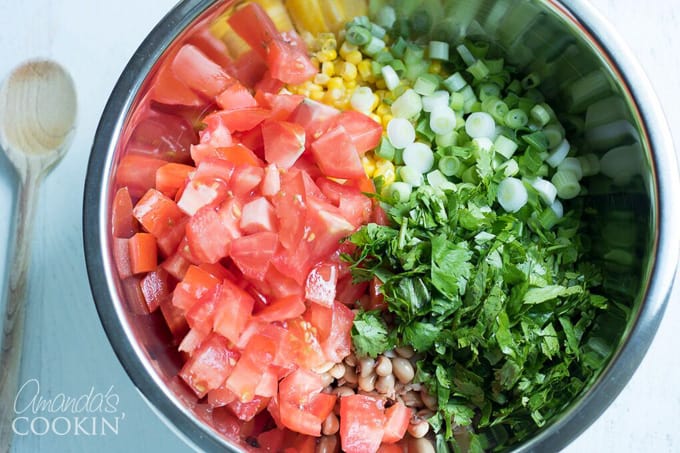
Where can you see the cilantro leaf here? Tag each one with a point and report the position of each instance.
(370, 335)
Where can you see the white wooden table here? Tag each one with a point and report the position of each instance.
(66, 349)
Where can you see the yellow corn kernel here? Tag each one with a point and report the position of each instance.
(435, 67)
(385, 168)
(317, 95)
(327, 41)
(346, 48)
(336, 83)
(348, 71)
(375, 118)
(386, 120)
(380, 84)
(333, 95)
(355, 57)
(315, 61)
(369, 164)
(364, 69)
(321, 79)
(350, 85)
(327, 55)
(328, 68)
(383, 109)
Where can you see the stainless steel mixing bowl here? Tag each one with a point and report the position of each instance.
(587, 72)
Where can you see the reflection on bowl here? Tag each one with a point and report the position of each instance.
(606, 105)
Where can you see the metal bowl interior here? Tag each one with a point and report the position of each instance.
(586, 73)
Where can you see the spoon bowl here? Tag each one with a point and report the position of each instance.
(37, 121)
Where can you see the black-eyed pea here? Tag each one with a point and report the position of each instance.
(405, 351)
(385, 384)
(418, 429)
(327, 444)
(402, 369)
(383, 366)
(331, 425)
(337, 371)
(367, 383)
(366, 365)
(420, 445)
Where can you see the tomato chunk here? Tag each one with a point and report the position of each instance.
(282, 309)
(236, 96)
(138, 173)
(397, 418)
(364, 132)
(196, 285)
(284, 143)
(258, 216)
(242, 119)
(321, 282)
(253, 253)
(156, 286)
(362, 423)
(271, 182)
(209, 366)
(233, 310)
(288, 61)
(336, 154)
(171, 177)
(200, 192)
(297, 393)
(253, 24)
(158, 214)
(199, 72)
(123, 222)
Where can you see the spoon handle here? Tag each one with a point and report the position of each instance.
(13, 326)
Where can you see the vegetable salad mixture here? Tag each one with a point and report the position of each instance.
(371, 243)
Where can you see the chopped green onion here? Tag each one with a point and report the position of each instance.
(439, 50)
(543, 170)
(531, 81)
(419, 156)
(457, 101)
(505, 147)
(436, 178)
(567, 184)
(426, 84)
(495, 66)
(442, 120)
(411, 176)
(398, 66)
(386, 16)
(548, 218)
(358, 35)
(436, 99)
(423, 129)
(482, 144)
(558, 154)
(374, 46)
(399, 192)
(489, 90)
(546, 190)
(558, 208)
(509, 168)
(536, 139)
(478, 48)
(516, 118)
(362, 99)
(420, 23)
(408, 105)
(376, 68)
(362, 21)
(514, 87)
(385, 150)
(470, 175)
(446, 140)
(383, 57)
(571, 164)
(496, 108)
(413, 54)
(455, 82)
(478, 70)
(449, 165)
(480, 124)
(398, 47)
(554, 133)
(466, 55)
(390, 77)
(540, 115)
(378, 31)
(400, 132)
(590, 164)
(512, 195)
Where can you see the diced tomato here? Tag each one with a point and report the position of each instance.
(294, 263)
(284, 142)
(282, 309)
(253, 253)
(201, 315)
(211, 45)
(158, 214)
(174, 318)
(315, 117)
(221, 396)
(192, 340)
(218, 271)
(338, 342)
(156, 286)
(397, 418)
(354, 205)
(272, 440)
(209, 366)
(239, 154)
(296, 393)
(240, 119)
(303, 342)
(196, 285)
(307, 165)
(269, 383)
(271, 183)
(121, 257)
(176, 265)
(199, 72)
(291, 210)
(171, 177)
(207, 236)
(336, 154)
(377, 298)
(321, 283)
(258, 215)
(169, 242)
(230, 215)
(216, 132)
(362, 423)
(268, 83)
(200, 192)
(379, 215)
(288, 61)
(281, 105)
(252, 139)
(328, 226)
(138, 173)
(249, 68)
(169, 90)
(245, 378)
(348, 293)
(364, 132)
(321, 318)
(253, 327)
(163, 135)
(214, 168)
(236, 96)
(143, 253)
(234, 308)
(123, 222)
(248, 411)
(281, 285)
(253, 24)
(246, 179)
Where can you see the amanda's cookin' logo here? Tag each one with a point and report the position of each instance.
(90, 414)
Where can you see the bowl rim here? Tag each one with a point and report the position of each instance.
(558, 434)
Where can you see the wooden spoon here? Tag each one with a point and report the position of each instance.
(37, 120)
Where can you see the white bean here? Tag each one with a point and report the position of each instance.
(428, 400)
(418, 429)
(351, 360)
(385, 384)
(366, 365)
(412, 399)
(331, 425)
(337, 371)
(327, 444)
(343, 391)
(402, 369)
(383, 366)
(350, 376)
(367, 383)
(420, 445)
(327, 379)
(406, 352)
